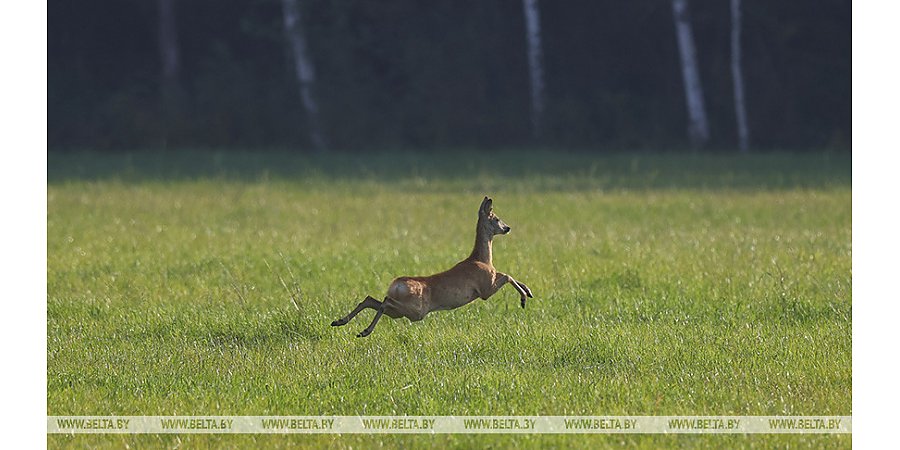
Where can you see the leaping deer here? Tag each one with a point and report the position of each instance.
(471, 278)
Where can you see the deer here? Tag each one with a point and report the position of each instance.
(472, 278)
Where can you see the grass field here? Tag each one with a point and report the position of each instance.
(204, 283)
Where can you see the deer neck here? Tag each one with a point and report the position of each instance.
(482, 250)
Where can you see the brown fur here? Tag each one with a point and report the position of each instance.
(471, 278)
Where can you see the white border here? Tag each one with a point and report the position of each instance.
(23, 172)
(876, 94)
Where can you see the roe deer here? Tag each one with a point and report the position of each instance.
(471, 278)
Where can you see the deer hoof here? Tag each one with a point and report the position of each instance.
(523, 302)
(364, 333)
(339, 322)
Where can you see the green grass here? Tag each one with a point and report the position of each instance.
(664, 285)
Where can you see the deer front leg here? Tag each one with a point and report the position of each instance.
(369, 302)
(502, 279)
(524, 288)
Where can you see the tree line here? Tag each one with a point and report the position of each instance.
(352, 74)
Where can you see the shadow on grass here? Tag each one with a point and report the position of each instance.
(243, 330)
(467, 170)
(281, 327)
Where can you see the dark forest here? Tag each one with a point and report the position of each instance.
(434, 75)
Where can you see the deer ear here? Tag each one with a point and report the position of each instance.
(486, 206)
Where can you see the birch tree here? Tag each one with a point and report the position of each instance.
(698, 126)
(303, 69)
(737, 77)
(170, 59)
(535, 64)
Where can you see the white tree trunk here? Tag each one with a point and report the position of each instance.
(169, 57)
(303, 68)
(737, 76)
(698, 126)
(168, 40)
(535, 64)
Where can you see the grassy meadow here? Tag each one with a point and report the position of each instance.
(665, 284)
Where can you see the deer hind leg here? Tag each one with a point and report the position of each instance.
(371, 326)
(369, 302)
(393, 309)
